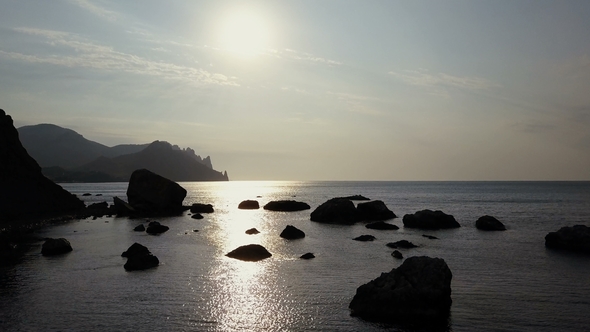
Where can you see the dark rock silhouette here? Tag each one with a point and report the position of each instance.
(374, 210)
(336, 211)
(575, 238)
(24, 191)
(197, 216)
(122, 208)
(55, 247)
(139, 258)
(155, 227)
(401, 244)
(286, 206)
(292, 233)
(201, 208)
(427, 219)
(250, 253)
(308, 255)
(489, 223)
(252, 231)
(430, 237)
(380, 225)
(364, 238)
(397, 254)
(355, 198)
(417, 292)
(248, 205)
(152, 194)
(139, 228)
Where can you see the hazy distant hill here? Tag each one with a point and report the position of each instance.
(160, 158)
(67, 156)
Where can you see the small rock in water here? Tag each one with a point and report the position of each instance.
(364, 238)
(250, 253)
(292, 233)
(252, 231)
(139, 228)
(55, 247)
(309, 255)
(397, 254)
(430, 237)
(197, 216)
(87, 194)
(249, 205)
(401, 244)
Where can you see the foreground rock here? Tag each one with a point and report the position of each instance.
(380, 225)
(286, 206)
(364, 238)
(489, 223)
(336, 211)
(418, 292)
(24, 191)
(575, 238)
(250, 253)
(55, 247)
(152, 194)
(427, 219)
(374, 210)
(405, 244)
(292, 233)
(249, 205)
(202, 208)
(139, 258)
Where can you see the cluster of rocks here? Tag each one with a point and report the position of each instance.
(343, 211)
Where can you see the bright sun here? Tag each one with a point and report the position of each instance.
(244, 33)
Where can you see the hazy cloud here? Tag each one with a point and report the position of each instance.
(95, 9)
(91, 55)
(437, 82)
(302, 56)
(357, 103)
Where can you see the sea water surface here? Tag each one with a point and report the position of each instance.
(502, 281)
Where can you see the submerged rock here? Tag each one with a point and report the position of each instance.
(286, 206)
(249, 205)
(427, 219)
(381, 225)
(401, 244)
(250, 253)
(489, 223)
(336, 211)
(292, 233)
(374, 210)
(575, 238)
(419, 292)
(55, 247)
(364, 238)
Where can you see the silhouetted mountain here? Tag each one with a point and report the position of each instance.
(159, 157)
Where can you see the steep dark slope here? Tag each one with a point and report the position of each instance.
(160, 158)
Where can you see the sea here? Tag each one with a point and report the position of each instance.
(502, 281)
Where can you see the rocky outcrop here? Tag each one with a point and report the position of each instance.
(139, 258)
(201, 208)
(374, 210)
(152, 194)
(364, 238)
(575, 238)
(418, 292)
(336, 211)
(380, 225)
(401, 244)
(250, 253)
(292, 233)
(55, 247)
(286, 206)
(427, 219)
(249, 205)
(489, 223)
(24, 191)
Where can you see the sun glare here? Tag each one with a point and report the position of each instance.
(244, 33)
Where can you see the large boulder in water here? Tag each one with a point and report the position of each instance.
(286, 206)
(292, 233)
(427, 219)
(55, 247)
(250, 252)
(336, 211)
(139, 258)
(419, 291)
(24, 191)
(374, 210)
(575, 238)
(489, 223)
(249, 205)
(150, 193)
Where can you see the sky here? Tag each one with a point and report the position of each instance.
(314, 90)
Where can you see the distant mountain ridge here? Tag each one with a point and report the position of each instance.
(66, 156)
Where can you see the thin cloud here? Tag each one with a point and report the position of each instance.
(95, 9)
(94, 56)
(302, 56)
(357, 103)
(424, 78)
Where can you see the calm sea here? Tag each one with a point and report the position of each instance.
(502, 281)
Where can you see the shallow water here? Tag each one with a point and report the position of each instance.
(502, 281)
